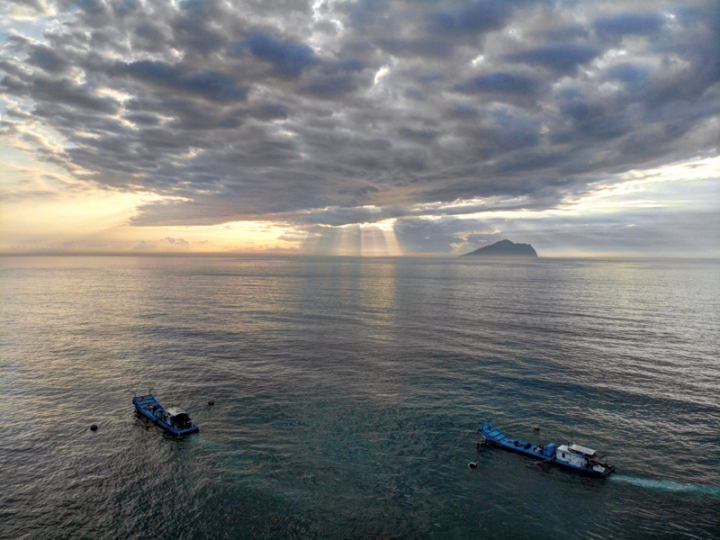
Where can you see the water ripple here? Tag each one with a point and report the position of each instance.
(347, 393)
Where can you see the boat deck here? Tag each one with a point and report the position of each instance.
(495, 436)
(146, 402)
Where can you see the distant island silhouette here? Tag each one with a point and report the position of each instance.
(504, 248)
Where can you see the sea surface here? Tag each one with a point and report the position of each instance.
(348, 393)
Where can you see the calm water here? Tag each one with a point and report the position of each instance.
(348, 393)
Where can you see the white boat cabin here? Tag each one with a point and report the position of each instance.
(580, 457)
(177, 417)
(175, 411)
(577, 449)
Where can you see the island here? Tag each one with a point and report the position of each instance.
(504, 248)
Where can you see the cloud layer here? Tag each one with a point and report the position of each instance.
(333, 113)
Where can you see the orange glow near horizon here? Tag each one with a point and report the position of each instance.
(44, 209)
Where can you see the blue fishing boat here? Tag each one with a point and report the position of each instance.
(573, 456)
(172, 419)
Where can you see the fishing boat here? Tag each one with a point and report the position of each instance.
(172, 419)
(573, 456)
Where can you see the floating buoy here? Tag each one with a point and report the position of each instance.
(536, 428)
(211, 402)
(93, 427)
(472, 465)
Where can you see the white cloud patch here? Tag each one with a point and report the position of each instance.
(382, 72)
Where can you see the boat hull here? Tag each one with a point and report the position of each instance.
(150, 408)
(589, 472)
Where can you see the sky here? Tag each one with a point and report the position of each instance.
(360, 127)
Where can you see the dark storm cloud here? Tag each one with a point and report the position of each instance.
(623, 24)
(287, 58)
(469, 18)
(563, 58)
(62, 92)
(209, 84)
(47, 59)
(197, 28)
(500, 83)
(335, 79)
(316, 113)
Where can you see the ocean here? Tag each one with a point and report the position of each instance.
(347, 394)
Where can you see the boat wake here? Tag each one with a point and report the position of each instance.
(667, 485)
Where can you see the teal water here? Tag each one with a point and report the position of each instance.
(347, 394)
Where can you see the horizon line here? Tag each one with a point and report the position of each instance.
(228, 254)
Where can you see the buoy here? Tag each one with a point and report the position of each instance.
(93, 427)
(472, 465)
(211, 402)
(536, 428)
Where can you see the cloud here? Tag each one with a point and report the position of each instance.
(287, 58)
(277, 111)
(439, 235)
(47, 59)
(624, 24)
(144, 246)
(31, 9)
(470, 18)
(563, 58)
(500, 83)
(209, 84)
(181, 242)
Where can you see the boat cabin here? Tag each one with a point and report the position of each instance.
(577, 449)
(177, 417)
(580, 457)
